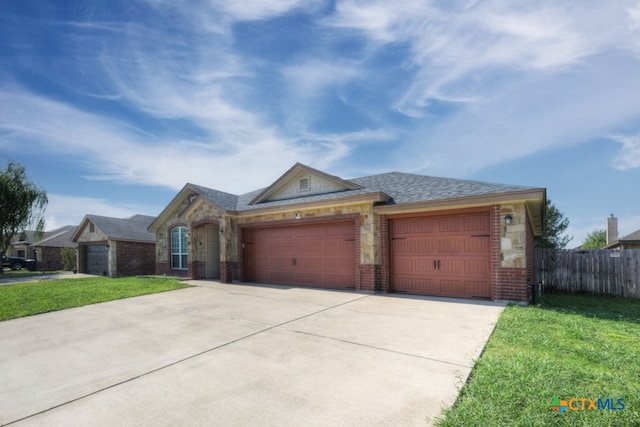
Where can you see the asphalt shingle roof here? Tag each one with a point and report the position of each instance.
(133, 229)
(631, 237)
(58, 238)
(408, 188)
(401, 187)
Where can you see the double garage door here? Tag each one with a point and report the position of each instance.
(442, 255)
(320, 255)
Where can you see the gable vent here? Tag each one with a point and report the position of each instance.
(304, 184)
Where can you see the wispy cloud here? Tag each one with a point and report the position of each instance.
(629, 156)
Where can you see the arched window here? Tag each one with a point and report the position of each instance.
(179, 248)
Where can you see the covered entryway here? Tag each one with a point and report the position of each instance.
(96, 259)
(321, 255)
(442, 255)
(206, 241)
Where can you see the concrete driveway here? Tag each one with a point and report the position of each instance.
(239, 354)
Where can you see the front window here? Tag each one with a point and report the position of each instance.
(179, 248)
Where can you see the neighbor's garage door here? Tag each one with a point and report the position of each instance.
(95, 258)
(310, 255)
(442, 255)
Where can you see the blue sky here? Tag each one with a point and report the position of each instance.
(112, 106)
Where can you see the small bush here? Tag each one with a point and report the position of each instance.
(68, 258)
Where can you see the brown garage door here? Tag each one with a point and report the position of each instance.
(309, 255)
(442, 255)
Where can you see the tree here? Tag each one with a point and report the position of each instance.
(597, 239)
(22, 204)
(555, 225)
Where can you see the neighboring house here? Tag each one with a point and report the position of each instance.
(48, 250)
(393, 232)
(20, 245)
(115, 247)
(630, 241)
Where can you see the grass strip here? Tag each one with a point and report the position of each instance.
(26, 299)
(570, 347)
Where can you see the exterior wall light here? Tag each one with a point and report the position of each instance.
(298, 216)
(508, 219)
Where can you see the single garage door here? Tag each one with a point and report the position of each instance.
(321, 255)
(442, 255)
(96, 260)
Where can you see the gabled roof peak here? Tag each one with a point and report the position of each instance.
(302, 180)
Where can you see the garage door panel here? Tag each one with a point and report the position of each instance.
(476, 267)
(477, 288)
(476, 245)
(452, 287)
(280, 248)
(477, 223)
(308, 255)
(308, 248)
(450, 245)
(276, 263)
(449, 257)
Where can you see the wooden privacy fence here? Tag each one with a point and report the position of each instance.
(595, 272)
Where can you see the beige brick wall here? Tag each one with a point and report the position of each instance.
(513, 237)
(87, 236)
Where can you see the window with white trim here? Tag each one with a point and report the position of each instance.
(179, 248)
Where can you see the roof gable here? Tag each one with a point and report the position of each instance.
(301, 181)
(133, 229)
(191, 192)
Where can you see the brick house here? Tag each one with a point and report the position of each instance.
(115, 247)
(630, 241)
(393, 232)
(44, 247)
(48, 250)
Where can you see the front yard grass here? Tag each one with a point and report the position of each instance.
(569, 347)
(25, 299)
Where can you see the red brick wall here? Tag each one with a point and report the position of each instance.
(385, 256)
(49, 258)
(135, 258)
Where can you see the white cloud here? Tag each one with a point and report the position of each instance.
(70, 210)
(629, 157)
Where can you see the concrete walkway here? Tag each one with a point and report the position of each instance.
(239, 354)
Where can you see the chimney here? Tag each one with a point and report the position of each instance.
(612, 229)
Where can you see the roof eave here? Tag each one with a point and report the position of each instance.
(535, 199)
(373, 197)
(175, 203)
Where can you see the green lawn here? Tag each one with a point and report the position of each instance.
(569, 347)
(25, 299)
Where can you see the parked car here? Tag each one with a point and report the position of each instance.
(14, 262)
